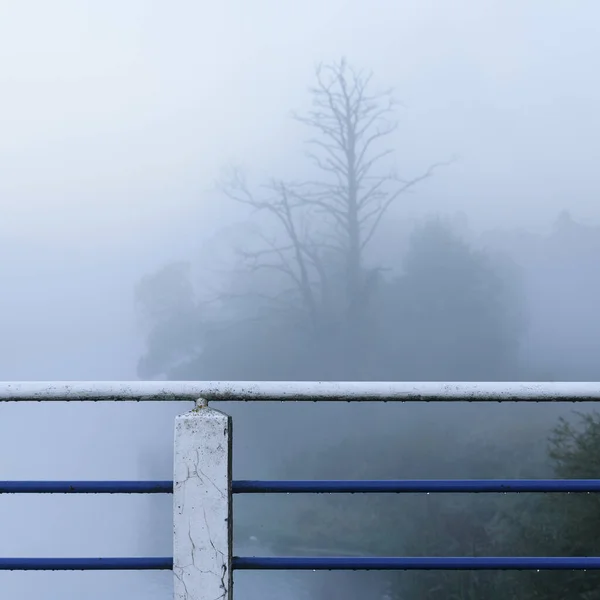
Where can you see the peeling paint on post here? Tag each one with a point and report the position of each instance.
(202, 515)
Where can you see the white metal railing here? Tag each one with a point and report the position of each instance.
(202, 484)
(78, 391)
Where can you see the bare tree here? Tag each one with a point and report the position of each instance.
(327, 223)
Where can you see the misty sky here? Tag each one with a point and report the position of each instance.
(118, 115)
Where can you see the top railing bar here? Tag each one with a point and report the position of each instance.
(93, 391)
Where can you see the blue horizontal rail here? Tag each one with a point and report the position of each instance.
(86, 487)
(292, 563)
(437, 563)
(417, 486)
(86, 564)
(314, 486)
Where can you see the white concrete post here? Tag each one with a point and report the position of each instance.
(202, 507)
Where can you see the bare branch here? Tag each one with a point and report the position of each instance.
(281, 206)
(334, 161)
(328, 222)
(373, 193)
(394, 196)
(319, 202)
(363, 169)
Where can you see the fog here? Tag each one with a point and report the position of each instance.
(117, 121)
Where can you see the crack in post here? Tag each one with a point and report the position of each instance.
(201, 475)
(198, 491)
(218, 554)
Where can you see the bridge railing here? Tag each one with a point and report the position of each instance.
(202, 486)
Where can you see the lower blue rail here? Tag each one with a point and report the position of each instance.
(313, 486)
(86, 487)
(417, 486)
(86, 564)
(438, 563)
(291, 563)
